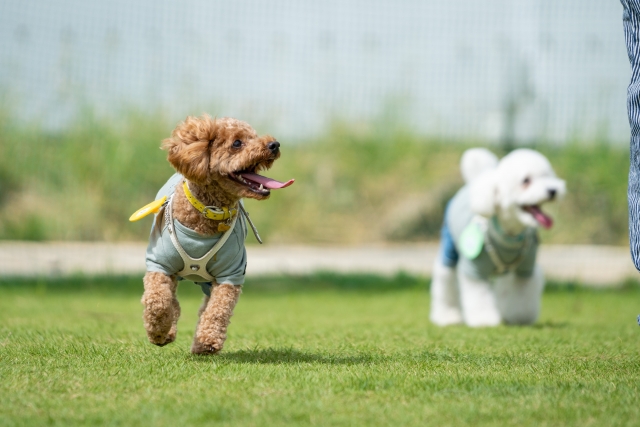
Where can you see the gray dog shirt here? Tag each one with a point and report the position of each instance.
(228, 265)
(517, 253)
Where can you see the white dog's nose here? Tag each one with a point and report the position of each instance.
(552, 193)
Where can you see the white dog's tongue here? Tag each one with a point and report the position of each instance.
(541, 217)
(269, 183)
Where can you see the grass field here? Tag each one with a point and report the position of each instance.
(317, 350)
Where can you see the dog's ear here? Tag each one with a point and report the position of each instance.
(483, 194)
(189, 147)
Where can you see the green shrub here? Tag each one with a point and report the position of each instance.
(354, 184)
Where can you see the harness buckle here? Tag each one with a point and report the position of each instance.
(214, 211)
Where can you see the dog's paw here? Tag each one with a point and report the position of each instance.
(446, 316)
(159, 335)
(198, 348)
(484, 319)
(207, 344)
(160, 339)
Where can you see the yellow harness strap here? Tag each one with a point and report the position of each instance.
(211, 212)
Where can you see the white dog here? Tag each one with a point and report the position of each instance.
(486, 271)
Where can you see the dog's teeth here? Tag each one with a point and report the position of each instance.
(261, 187)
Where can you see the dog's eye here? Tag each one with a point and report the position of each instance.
(526, 181)
(237, 143)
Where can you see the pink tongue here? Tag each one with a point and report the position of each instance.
(269, 183)
(543, 219)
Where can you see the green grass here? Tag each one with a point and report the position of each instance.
(315, 350)
(354, 184)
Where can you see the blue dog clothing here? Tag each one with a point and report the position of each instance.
(228, 265)
(514, 253)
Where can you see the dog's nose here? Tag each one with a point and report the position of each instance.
(552, 193)
(274, 146)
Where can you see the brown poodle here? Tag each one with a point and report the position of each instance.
(217, 161)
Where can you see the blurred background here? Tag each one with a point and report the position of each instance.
(373, 102)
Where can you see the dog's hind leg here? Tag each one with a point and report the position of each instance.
(173, 332)
(445, 299)
(478, 302)
(196, 346)
(518, 298)
(161, 308)
(214, 320)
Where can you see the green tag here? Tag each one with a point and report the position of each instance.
(471, 241)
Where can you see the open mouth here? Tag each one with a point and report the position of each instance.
(257, 183)
(543, 219)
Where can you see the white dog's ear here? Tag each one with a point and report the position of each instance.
(476, 161)
(483, 194)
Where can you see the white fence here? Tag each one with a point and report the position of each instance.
(489, 70)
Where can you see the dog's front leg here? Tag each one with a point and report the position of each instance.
(518, 298)
(445, 299)
(161, 308)
(478, 302)
(215, 317)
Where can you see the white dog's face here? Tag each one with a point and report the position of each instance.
(517, 189)
(525, 182)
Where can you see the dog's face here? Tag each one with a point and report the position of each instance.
(517, 189)
(224, 151)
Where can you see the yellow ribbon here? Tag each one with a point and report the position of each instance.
(152, 207)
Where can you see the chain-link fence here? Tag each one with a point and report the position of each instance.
(493, 70)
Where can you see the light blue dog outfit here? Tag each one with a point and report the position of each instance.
(499, 254)
(193, 256)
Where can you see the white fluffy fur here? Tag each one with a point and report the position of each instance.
(474, 161)
(523, 177)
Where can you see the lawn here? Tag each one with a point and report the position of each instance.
(316, 350)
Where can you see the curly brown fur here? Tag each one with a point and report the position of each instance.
(196, 346)
(214, 318)
(192, 218)
(210, 154)
(202, 150)
(161, 308)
